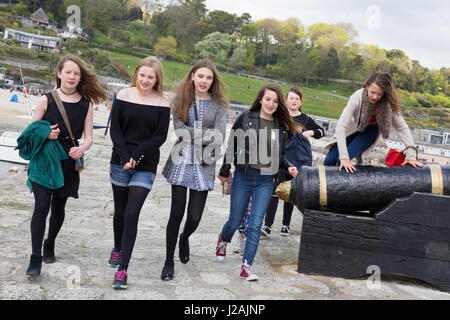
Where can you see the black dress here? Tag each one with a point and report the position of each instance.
(76, 112)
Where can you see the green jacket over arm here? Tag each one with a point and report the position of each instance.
(45, 155)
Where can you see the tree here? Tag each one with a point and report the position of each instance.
(250, 62)
(329, 68)
(21, 9)
(220, 21)
(214, 46)
(239, 57)
(166, 46)
(135, 13)
(327, 36)
(266, 31)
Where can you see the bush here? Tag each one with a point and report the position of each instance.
(438, 100)
(422, 100)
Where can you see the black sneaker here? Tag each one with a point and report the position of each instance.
(49, 252)
(265, 231)
(120, 280)
(285, 231)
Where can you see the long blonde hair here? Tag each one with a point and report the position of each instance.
(154, 63)
(89, 87)
(186, 90)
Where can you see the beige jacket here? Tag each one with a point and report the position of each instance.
(348, 123)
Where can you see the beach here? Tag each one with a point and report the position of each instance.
(85, 241)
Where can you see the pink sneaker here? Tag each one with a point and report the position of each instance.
(247, 273)
(221, 249)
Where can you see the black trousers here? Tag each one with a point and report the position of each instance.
(288, 207)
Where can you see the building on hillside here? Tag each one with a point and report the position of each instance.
(40, 18)
(33, 41)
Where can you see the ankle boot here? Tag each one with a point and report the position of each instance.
(167, 272)
(49, 252)
(183, 246)
(34, 269)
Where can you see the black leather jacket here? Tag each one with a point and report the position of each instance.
(239, 149)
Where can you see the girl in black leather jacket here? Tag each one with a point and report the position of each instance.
(256, 147)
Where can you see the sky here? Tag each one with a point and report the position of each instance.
(421, 28)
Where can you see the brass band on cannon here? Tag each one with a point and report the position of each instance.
(394, 218)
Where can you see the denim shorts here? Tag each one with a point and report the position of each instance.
(128, 178)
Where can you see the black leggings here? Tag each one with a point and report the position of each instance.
(128, 202)
(196, 205)
(44, 200)
(288, 207)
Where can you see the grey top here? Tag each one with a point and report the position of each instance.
(211, 134)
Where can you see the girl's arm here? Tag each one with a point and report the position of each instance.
(39, 113)
(77, 152)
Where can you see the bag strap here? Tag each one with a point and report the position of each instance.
(62, 110)
(412, 147)
(195, 110)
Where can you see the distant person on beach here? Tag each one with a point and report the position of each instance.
(370, 113)
(257, 156)
(199, 120)
(78, 88)
(139, 124)
(298, 151)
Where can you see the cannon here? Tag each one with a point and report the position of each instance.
(392, 219)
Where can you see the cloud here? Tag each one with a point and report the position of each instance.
(419, 28)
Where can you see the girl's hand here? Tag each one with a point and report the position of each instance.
(348, 166)
(53, 135)
(76, 152)
(222, 179)
(413, 163)
(293, 171)
(130, 164)
(308, 133)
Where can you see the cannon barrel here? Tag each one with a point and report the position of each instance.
(370, 188)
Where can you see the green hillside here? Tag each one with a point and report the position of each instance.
(244, 90)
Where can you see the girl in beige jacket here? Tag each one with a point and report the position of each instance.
(370, 113)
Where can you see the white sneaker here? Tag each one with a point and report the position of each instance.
(247, 273)
(239, 247)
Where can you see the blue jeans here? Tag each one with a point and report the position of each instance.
(357, 143)
(259, 188)
(131, 177)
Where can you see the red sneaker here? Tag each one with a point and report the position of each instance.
(221, 249)
(247, 273)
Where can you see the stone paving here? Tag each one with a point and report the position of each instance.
(86, 238)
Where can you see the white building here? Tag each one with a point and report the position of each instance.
(33, 41)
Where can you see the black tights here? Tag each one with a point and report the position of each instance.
(128, 202)
(44, 200)
(196, 205)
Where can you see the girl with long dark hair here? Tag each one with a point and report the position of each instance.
(256, 148)
(306, 127)
(371, 112)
